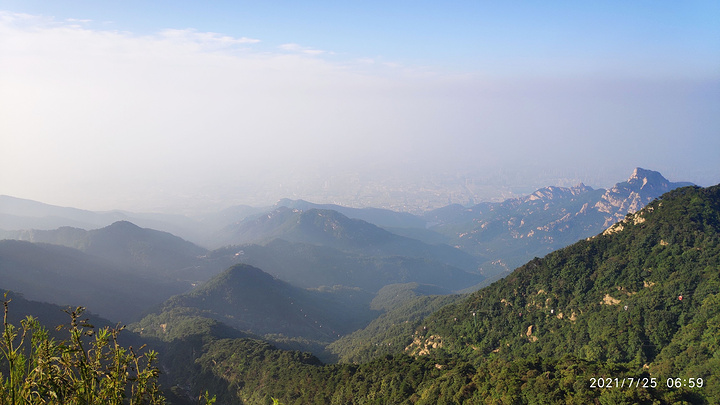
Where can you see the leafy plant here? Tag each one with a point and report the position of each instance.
(91, 367)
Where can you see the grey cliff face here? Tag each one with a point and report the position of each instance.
(630, 196)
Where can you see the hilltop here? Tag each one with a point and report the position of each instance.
(123, 244)
(250, 300)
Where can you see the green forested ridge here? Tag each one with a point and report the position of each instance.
(639, 296)
(660, 263)
(392, 331)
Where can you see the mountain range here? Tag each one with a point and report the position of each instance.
(22, 214)
(312, 246)
(627, 286)
(512, 232)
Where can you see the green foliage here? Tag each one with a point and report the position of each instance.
(206, 399)
(88, 368)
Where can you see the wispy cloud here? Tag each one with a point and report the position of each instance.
(78, 20)
(211, 39)
(301, 49)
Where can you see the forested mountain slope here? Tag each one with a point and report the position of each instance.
(643, 294)
(405, 305)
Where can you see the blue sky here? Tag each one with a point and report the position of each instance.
(610, 37)
(176, 99)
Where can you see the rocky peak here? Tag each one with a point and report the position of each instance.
(642, 179)
(641, 187)
(552, 192)
(580, 188)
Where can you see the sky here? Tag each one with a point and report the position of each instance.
(173, 105)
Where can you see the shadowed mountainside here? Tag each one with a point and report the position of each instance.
(66, 276)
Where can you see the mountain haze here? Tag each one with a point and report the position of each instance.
(500, 236)
(66, 276)
(125, 245)
(310, 266)
(332, 229)
(638, 299)
(381, 217)
(22, 214)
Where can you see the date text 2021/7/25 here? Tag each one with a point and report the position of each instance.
(644, 382)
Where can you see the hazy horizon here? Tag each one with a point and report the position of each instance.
(376, 195)
(185, 106)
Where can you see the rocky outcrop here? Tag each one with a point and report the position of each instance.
(630, 196)
(518, 229)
